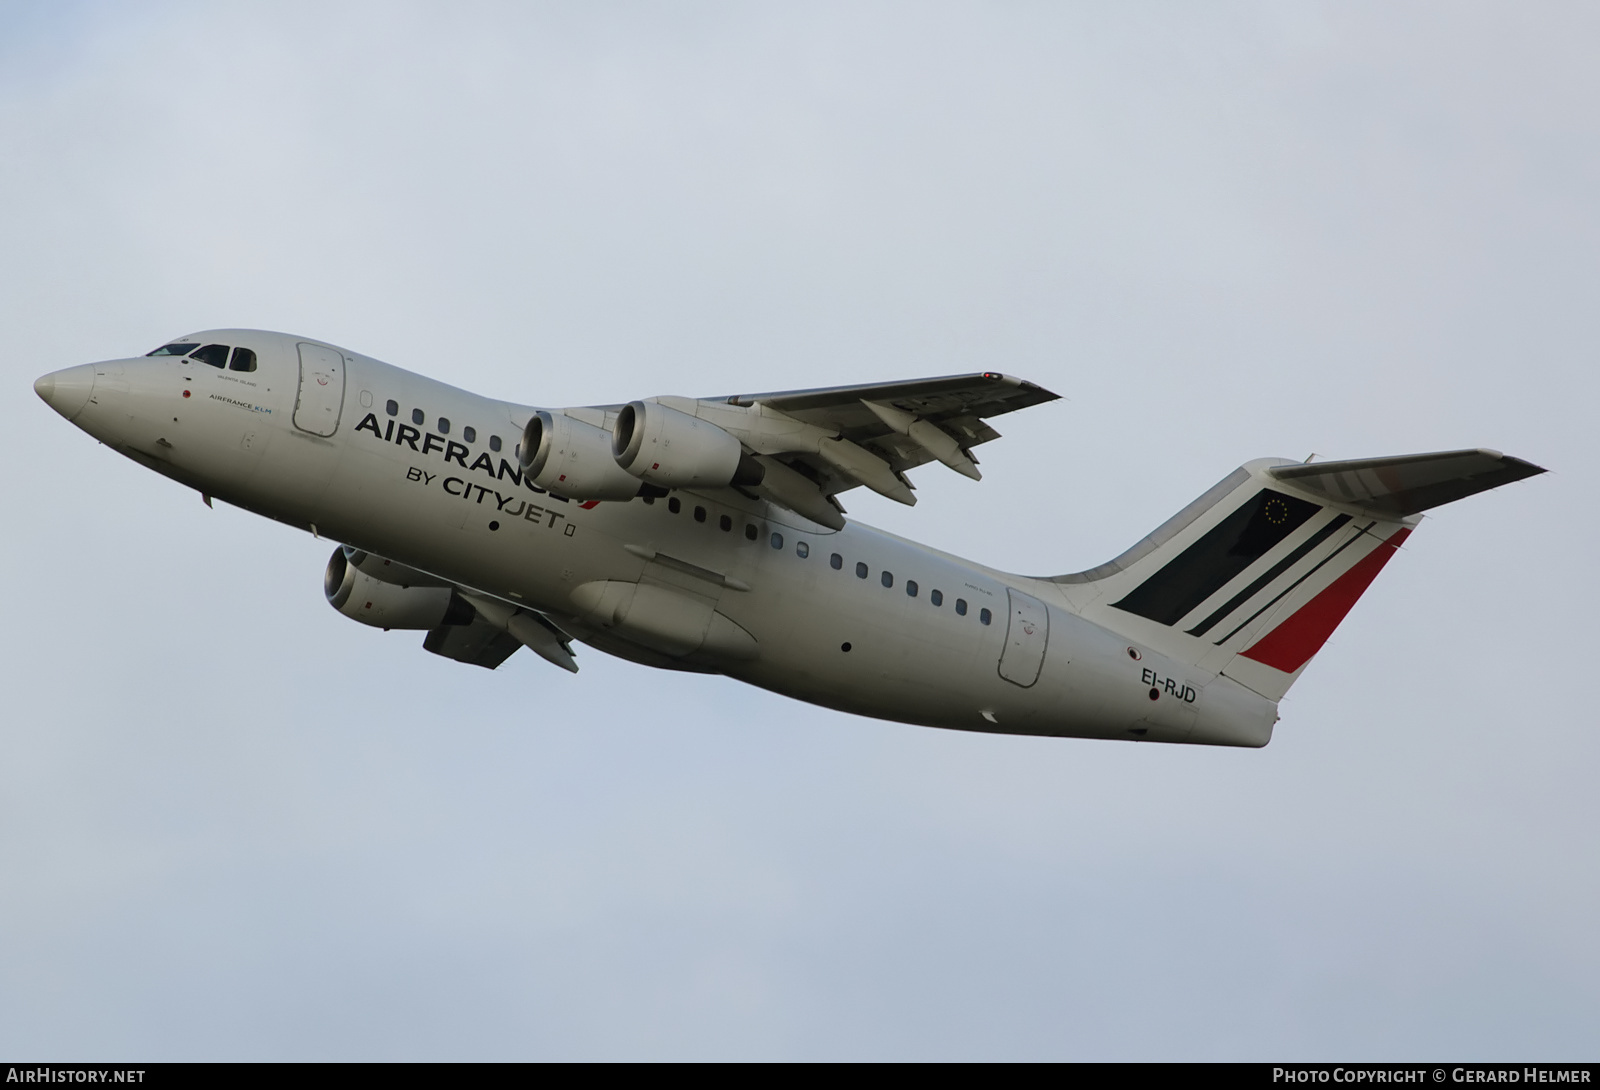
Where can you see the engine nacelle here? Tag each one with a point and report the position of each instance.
(389, 571)
(675, 450)
(388, 605)
(573, 459)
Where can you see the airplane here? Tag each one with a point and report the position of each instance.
(708, 535)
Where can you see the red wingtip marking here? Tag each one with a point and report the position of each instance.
(589, 505)
(1291, 645)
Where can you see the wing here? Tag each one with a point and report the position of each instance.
(477, 642)
(878, 432)
(490, 631)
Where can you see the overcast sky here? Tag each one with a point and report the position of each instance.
(235, 825)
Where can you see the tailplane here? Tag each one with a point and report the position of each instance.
(1252, 578)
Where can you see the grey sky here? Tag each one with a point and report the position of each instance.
(233, 824)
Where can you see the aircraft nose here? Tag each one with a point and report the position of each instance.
(67, 391)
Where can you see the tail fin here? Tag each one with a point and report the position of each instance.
(1252, 578)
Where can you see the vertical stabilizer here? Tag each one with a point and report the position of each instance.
(1252, 578)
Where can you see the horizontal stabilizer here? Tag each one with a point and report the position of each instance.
(1409, 483)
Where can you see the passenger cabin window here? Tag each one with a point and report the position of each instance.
(244, 359)
(961, 606)
(750, 531)
(469, 433)
(418, 416)
(777, 541)
(726, 523)
(699, 514)
(174, 349)
(444, 426)
(984, 616)
(802, 550)
(494, 443)
(911, 588)
(887, 579)
(216, 355)
(392, 407)
(674, 505)
(836, 561)
(861, 570)
(936, 597)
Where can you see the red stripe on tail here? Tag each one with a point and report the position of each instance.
(1291, 645)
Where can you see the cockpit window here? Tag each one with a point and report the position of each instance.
(214, 354)
(244, 359)
(174, 350)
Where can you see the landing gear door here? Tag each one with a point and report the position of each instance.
(1027, 633)
(321, 396)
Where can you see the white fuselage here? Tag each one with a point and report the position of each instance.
(997, 653)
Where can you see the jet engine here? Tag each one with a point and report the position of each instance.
(388, 571)
(672, 449)
(573, 459)
(389, 605)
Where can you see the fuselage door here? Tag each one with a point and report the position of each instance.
(1027, 633)
(321, 396)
